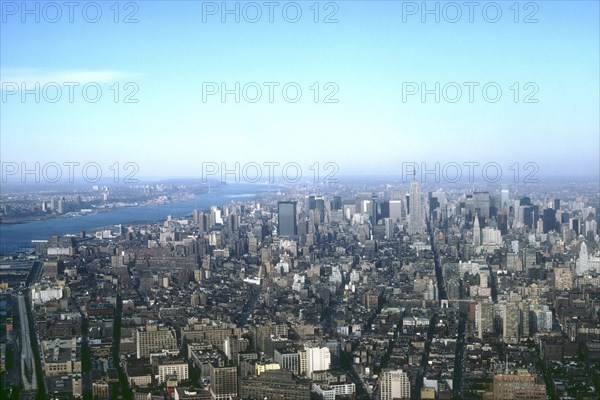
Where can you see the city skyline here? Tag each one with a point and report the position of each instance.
(300, 200)
(364, 260)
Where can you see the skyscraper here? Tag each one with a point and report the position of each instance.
(320, 205)
(549, 219)
(395, 210)
(394, 385)
(525, 201)
(389, 228)
(502, 219)
(528, 217)
(336, 204)
(583, 263)
(373, 210)
(286, 218)
(311, 203)
(504, 199)
(476, 231)
(416, 225)
(481, 203)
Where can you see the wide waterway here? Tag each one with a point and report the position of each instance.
(18, 237)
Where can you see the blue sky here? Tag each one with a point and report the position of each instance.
(367, 55)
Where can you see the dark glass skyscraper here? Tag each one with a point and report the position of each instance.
(528, 218)
(286, 218)
(336, 204)
(549, 219)
(525, 201)
(373, 209)
(311, 203)
(320, 205)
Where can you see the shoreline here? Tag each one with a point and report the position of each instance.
(26, 220)
(14, 244)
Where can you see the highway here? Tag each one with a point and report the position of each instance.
(28, 374)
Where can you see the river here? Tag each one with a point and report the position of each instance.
(18, 237)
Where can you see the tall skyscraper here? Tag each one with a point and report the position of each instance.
(395, 210)
(476, 231)
(286, 218)
(525, 201)
(320, 205)
(433, 202)
(549, 219)
(389, 228)
(394, 385)
(481, 203)
(311, 203)
(574, 225)
(336, 204)
(502, 219)
(384, 209)
(373, 210)
(583, 263)
(416, 223)
(528, 217)
(504, 199)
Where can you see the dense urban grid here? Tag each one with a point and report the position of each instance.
(312, 291)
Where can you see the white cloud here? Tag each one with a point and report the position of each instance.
(31, 76)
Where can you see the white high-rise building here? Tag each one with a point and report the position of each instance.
(416, 224)
(394, 385)
(590, 226)
(583, 264)
(317, 359)
(504, 199)
(476, 232)
(395, 210)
